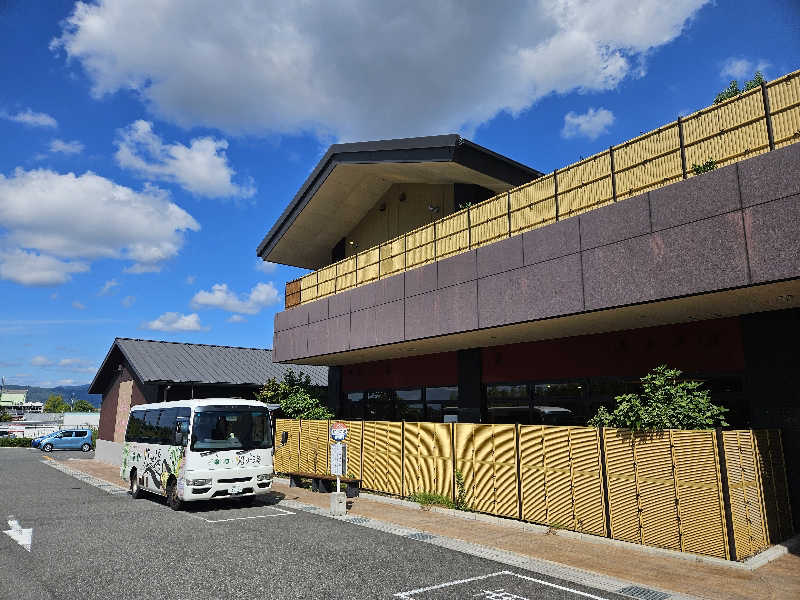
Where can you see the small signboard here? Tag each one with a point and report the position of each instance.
(338, 431)
(338, 460)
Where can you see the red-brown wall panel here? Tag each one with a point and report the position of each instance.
(428, 370)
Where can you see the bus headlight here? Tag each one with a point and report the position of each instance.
(264, 477)
(198, 482)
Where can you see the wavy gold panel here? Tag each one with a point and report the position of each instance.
(287, 455)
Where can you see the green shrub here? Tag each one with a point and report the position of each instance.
(733, 88)
(296, 396)
(9, 442)
(461, 492)
(707, 166)
(428, 499)
(666, 402)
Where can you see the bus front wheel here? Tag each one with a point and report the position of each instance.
(136, 491)
(175, 503)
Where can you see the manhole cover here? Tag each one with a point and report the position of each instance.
(420, 536)
(643, 593)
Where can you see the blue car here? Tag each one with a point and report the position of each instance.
(67, 439)
(36, 442)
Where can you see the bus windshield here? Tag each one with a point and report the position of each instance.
(231, 429)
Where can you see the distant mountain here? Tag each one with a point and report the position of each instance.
(40, 394)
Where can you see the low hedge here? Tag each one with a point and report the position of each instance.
(16, 442)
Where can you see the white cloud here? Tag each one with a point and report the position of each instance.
(201, 168)
(591, 124)
(741, 68)
(361, 69)
(265, 267)
(44, 242)
(30, 268)
(108, 287)
(29, 117)
(139, 268)
(190, 279)
(73, 147)
(41, 361)
(78, 305)
(172, 321)
(236, 319)
(262, 294)
(128, 301)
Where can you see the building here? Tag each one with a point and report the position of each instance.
(140, 371)
(445, 290)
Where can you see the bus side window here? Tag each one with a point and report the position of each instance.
(135, 425)
(151, 426)
(166, 425)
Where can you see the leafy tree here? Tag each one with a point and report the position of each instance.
(733, 88)
(55, 404)
(82, 406)
(666, 402)
(296, 396)
(4, 416)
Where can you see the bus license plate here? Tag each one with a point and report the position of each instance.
(235, 489)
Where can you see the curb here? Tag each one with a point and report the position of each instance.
(749, 564)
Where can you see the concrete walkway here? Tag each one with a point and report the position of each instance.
(777, 579)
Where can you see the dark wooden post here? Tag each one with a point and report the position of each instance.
(726, 494)
(767, 116)
(613, 174)
(555, 187)
(683, 147)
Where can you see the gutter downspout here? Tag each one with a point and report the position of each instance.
(166, 389)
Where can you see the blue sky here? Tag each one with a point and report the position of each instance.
(149, 146)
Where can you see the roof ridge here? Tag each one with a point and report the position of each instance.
(191, 344)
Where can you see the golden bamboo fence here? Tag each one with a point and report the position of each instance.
(710, 492)
(757, 121)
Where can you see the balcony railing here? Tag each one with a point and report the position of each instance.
(760, 120)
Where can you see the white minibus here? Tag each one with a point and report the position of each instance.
(198, 450)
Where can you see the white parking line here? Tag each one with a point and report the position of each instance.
(281, 513)
(410, 594)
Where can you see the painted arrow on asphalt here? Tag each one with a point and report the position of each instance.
(18, 534)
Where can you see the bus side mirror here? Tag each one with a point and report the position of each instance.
(284, 438)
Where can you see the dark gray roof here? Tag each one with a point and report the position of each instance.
(156, 361)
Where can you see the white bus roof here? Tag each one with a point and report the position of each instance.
(203, 402)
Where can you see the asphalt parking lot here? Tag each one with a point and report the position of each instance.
(91, 544)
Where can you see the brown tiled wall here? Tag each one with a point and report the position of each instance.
(732, 227)
(110, 406)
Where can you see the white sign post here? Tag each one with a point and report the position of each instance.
(338, 453)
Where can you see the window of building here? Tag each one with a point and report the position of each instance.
(353, 406)
(379, 406)
(410, 406)
(559, 403)
(441, 404)
(508, 404)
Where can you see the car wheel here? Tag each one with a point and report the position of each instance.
(47, 447)
(136, 491)
(86, 447)
(175, 503)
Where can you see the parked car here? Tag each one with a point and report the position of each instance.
(68, 439)
(36, 442)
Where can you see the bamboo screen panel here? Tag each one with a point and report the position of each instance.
(784, 106)
(420, 246)
(648, 162)
(727, 132)
(286, 458)
(393, 258)
(489, 221)
(769, 449)
(314, 446)
(382, 462)
(452, 235)
(427, 458)
(326, 281)
(368, 265)
(533, 205)
(664, 490)
(562, 477)
(585, 185)
(486, 455)
(699, 486)
(308, 287)
(292, 293)
(346, 274)
(750, 532)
